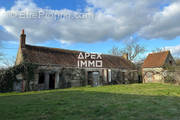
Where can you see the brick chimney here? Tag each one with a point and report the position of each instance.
(22, 39)
(125, 56)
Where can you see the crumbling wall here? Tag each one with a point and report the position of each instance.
(76, 77)
(124, 76)
(72, 77)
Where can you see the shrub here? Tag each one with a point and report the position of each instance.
(8, 76)
(169, 79)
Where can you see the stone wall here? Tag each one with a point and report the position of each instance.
(153, 75)
(177, 77)
(159, 75)
(117, 76)
(172, 77)
(76, 77)
(64, 78)
(72, 77)
(124, 76)
(19, 58)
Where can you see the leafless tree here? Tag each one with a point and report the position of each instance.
(5, 61)
(115, 51)
(133, 50)
(1, 58)
(8, 62)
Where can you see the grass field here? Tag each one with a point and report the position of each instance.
(118, 102)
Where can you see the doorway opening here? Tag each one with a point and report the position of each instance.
(93, 78)
(52, 81)
(90, 78)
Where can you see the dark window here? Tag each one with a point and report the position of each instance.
(170, 62)
(41, 78)
(51, 81)
(90, 78)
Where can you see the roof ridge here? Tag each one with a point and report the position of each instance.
(48, 55)
(156, 59)
(160, 52)
(53, 48)
(69, 50)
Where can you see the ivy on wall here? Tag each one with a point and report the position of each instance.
(8, 76)
(171, 71)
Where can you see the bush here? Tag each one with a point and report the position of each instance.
(8, 76)
(169, 79)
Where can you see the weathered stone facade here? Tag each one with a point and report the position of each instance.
(76, 77)
(155, 67)
(176, 76)
(124, 76)
(58, 68)
(153, 75)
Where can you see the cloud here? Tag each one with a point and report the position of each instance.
(25, 15)
(165, 24)
(175, 50)
(66, 30)
(5, 36)
(105, 19)
(132, 15)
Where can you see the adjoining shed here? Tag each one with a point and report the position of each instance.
(155, 66)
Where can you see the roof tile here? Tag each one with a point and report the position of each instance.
(156, 59)
(68, 58)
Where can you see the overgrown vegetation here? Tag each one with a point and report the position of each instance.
(118, 102)
(170, 74)
(8, 75)
(170, 68)
(177, 61)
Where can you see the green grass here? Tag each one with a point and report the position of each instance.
(118, 102)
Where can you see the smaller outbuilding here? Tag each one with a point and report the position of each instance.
(154, 68)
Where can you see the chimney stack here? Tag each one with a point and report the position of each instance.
(125, 56)
(22, 39)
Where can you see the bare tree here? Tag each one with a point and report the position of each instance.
(115, 51)
(1, 54)
(133, 50)
(8, 62)
(1, 58)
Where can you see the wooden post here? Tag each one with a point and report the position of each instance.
(57, 80)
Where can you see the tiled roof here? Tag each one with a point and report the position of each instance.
(67, 58)
(156, 59)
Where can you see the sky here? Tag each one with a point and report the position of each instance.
(90, 25)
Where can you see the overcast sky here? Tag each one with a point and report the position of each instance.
(93, 25)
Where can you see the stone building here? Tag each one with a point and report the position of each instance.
(153, 68)
(59, 68)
